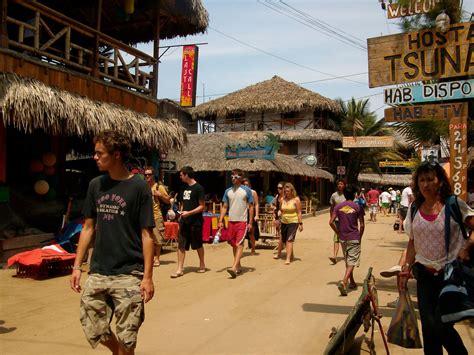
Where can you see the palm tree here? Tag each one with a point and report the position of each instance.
(357, 120)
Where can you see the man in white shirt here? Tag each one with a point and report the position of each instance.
(406, 199)
(238, 200)
(385, 200)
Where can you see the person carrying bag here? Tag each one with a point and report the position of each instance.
(427, 255)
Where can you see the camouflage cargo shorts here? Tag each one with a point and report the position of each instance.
(159, 232)
(105, 296)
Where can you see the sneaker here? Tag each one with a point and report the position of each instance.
(393, 271)
(342, 289)
(393, 304)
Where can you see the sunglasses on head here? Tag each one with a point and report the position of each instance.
(148, 174)
(279, 187)
(235, 176)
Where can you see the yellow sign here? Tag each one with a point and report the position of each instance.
(367, 142)
(421, 55)
(398, 164)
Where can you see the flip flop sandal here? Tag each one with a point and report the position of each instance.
(176, 275)
(201, 271)
(232, 273)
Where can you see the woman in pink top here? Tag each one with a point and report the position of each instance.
(426, 254)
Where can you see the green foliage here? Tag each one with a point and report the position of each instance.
(358, 120)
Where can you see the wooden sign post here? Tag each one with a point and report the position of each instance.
(457, 114)
(458, 155)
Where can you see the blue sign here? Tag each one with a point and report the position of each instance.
(451, 90)
(254, 150)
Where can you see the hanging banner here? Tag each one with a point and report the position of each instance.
(458, 156)
(450, 90)
(421, 55)
(189, 76)
(414, 7)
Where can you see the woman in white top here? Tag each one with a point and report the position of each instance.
(426, 253)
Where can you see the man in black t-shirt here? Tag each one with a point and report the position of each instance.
(192, 201)
(118, 221)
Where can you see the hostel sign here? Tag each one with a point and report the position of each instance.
(451, 90)
(421, 55)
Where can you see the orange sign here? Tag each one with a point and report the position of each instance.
(189, 76)
(415, 113)
(458, 155)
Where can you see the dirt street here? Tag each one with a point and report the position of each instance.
(271, 308)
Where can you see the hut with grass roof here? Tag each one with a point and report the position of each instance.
(302, 119)
(69, 70)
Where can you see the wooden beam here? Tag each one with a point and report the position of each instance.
(3, 24)
(156, 52)
(95, 69)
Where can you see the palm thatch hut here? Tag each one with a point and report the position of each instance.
(276, 96)
(206, 152)
(27, 104)
(401, 180)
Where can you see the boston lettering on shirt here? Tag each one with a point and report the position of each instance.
(121, 209)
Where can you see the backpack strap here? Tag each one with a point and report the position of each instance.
(413, 210)
(451, 208)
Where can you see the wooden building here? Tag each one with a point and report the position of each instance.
(301, 118)
(69, 69)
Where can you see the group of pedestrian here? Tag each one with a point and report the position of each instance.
(123, 224)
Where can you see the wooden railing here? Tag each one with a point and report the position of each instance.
(57, 39)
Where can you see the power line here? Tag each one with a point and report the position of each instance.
(281, 58)
(314, 23)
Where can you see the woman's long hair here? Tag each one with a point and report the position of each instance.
(292, 189)
(426, 168)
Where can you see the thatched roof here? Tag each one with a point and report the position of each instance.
(276, 94)
(309, 134)
(386, 179)
(28, 104)
(177, 17)
(206, 152)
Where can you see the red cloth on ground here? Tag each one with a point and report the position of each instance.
(37, 256)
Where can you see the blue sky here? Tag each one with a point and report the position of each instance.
(226, 65)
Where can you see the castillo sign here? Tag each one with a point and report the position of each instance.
(421, 55)
(367, 142)
(189, 76)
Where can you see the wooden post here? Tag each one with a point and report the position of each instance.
(3, 24)
(156, 52)
(95, 64)
(458, 156)
(3, 153)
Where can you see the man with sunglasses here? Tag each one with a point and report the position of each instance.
(238, 201)
(159, 193)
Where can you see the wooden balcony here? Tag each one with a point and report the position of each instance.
(45, 37)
